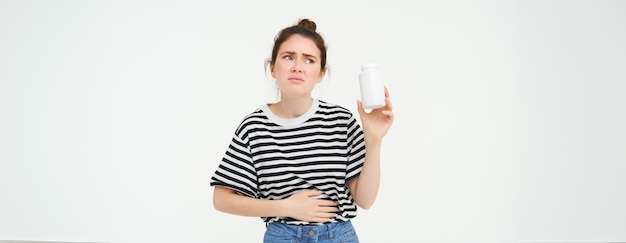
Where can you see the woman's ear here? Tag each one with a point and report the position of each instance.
(272, 71)
(322, 74)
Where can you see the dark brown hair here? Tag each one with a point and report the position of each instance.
(306, 28)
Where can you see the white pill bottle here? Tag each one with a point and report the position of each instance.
(372, 87)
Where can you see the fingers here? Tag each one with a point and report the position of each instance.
(388, 104)
(312, 205)
(388, 113)
(311, 193)
(324, 217)
(325, 211)
(390, 116)
(359, 106)
(388, 100)
(320, 220)
(319, 202)
(330, 210)
(326, 203)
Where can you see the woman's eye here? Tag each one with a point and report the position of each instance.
(287, 57)
(309, 60)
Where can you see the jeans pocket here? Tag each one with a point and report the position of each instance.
(348, 237)
(274, 237)
(276, 234)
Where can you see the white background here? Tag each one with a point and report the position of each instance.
(509, 115)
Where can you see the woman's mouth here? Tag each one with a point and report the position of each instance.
(296, 80)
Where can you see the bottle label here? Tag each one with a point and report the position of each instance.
(372, 88)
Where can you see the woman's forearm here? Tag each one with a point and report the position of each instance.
(228, 201)
(364, 188)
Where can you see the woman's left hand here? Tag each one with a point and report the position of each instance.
(377, 122)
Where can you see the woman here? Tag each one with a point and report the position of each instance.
(301, 164)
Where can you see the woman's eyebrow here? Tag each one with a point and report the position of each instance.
(309, 55)
(293, 53)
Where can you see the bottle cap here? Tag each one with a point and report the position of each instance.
(368, 66)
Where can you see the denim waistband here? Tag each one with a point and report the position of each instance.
(311, 232)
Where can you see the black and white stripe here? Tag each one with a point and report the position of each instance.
(272, 158)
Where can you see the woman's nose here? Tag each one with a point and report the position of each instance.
(296, 68)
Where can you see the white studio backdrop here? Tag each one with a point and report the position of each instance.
(509, 115)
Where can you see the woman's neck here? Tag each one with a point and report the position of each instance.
(291, 107)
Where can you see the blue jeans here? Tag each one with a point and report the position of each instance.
(327, 233)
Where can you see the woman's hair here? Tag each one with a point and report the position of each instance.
(306, 28)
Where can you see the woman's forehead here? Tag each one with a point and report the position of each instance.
(300, 45)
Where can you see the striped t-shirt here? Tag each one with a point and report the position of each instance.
(272, 158)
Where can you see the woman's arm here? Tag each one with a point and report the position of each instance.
(376, 123)
(364, 188)
(301, 206)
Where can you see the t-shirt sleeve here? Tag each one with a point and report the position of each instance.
(356, 148)
(236, 171)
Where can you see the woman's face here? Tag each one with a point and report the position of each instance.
(297, 67)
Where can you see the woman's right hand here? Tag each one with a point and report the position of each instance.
(305, 207)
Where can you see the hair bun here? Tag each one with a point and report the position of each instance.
(307, 24)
